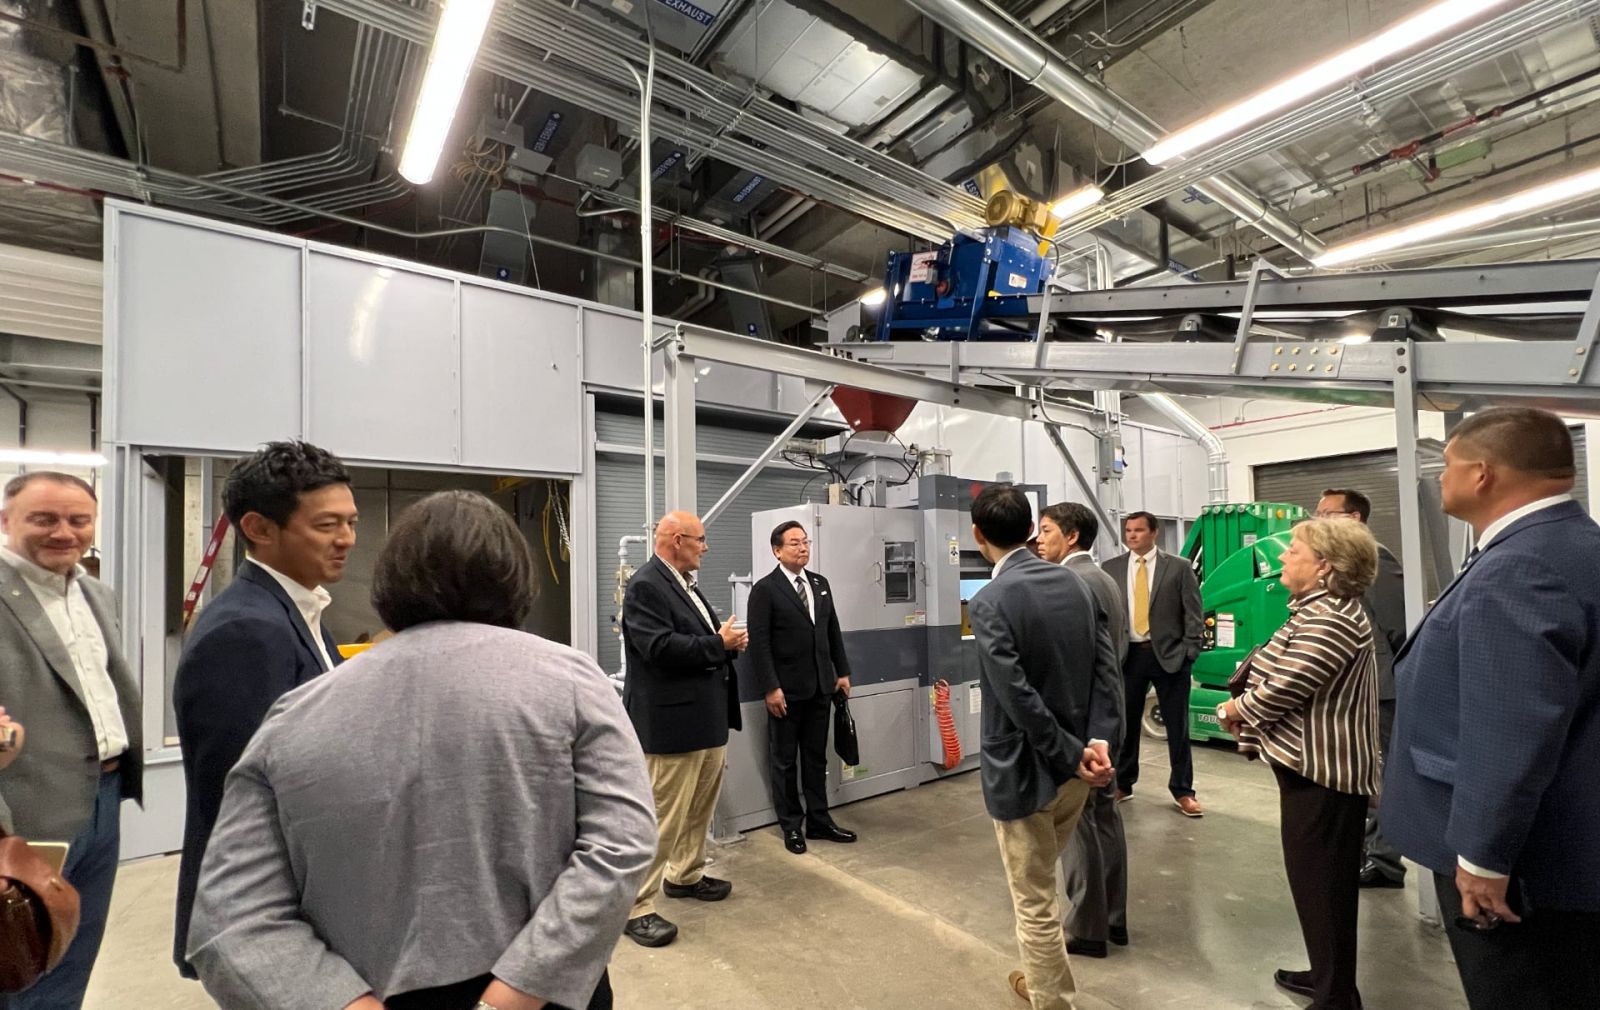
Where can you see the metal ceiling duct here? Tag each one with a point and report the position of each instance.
(1040, 67)
(1216, 455)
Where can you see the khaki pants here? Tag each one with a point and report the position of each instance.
(685, 787)
(1029, 848)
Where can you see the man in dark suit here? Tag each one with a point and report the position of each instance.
(797, 655)
(291, 505)
(1491, 783)
(63, 675)
(1385, 603)
(1164, 635)
(1047, 668)
(683, 698)
(1095, 863)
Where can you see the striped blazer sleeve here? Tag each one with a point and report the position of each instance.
(1311, 653)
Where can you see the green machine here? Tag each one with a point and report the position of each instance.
(1235, 550)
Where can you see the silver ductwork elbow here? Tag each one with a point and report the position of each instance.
(1216, 455)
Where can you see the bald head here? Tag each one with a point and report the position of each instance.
(681, 540)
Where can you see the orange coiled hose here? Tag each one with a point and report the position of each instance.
(947, 724)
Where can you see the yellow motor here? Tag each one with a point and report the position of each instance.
(1008, 208)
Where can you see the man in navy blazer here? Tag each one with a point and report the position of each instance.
(262, 636)
(1491, 780)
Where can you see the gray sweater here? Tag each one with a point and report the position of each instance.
(458, 800)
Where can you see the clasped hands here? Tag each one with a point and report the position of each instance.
(1095, 767)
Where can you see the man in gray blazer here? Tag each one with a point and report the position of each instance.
(1386, 608)
(1095, 863)
(64, 677)
(1048, 672)
(1164, 635)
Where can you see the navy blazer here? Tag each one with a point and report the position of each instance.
(1496, 746)
(680, 689)
(787, 648)
(1050, 681)
(248, 648)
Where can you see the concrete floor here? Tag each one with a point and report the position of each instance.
(917, 915)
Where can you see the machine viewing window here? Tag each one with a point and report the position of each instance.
(900, 572)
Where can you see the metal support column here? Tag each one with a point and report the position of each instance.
(678, 442)
(1084, 484)
(767, 455)
(1405, 444)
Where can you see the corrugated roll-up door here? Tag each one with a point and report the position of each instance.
(619, 507)
(1376, 475)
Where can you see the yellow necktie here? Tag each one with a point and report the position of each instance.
(1141, 600)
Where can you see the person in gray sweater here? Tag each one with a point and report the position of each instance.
(459, 817)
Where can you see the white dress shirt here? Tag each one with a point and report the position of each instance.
(61, 597)
(800, 576)
(310, 602)
(1150, 585)
(694, 597)
(1493, 530)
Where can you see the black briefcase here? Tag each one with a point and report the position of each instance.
(844, 731)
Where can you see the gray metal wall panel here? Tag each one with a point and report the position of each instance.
(619, 510)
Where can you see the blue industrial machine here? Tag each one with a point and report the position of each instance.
(971, 285)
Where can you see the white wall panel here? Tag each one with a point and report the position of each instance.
(382, 362)
(520, 366)
(208, 341)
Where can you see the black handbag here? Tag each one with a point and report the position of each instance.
(1239, 682)
(844, 731)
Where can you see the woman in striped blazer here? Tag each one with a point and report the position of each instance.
(1311, 710)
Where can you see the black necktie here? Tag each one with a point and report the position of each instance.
(800, 587)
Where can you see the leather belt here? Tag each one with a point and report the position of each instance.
(1146, 644)
(110, 765)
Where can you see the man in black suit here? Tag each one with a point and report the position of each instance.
(797, 653)
(1048, 671)
(263, 635)
(683, 698)
(1385, 602)
(1164, 635)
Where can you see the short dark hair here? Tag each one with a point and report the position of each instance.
(271, 480)
(1523, 438)
(1002, 515)
(1148, 517)
(453, 556)
(782, 528)
(15, 485)
(1354, 501)
(1070, 517)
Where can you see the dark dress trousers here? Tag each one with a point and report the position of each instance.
(249, 647)
(1494, 758)
(680, 690)
(1176, 631)
(1385, 603)
(806, 659)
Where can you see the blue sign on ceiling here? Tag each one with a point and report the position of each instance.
(748, 188)
(690, 11)
(547, 133)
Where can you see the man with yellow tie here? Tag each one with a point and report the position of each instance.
(1164, 625)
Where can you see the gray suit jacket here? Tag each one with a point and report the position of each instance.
(458, 800)
(1176, 625)
(1048, 674)
(1109, 595)
(1386, 608)
(49, 791)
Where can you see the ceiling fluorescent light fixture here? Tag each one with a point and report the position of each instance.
(1519, 204)
(874, 297)
(455, 46)
(1077, 200)
(40, 457)
(1409, 33)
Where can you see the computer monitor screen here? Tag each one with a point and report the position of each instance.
(970, 586)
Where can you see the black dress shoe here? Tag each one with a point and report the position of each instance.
(1297, 982)
(1372, 876)
(651, 931)
(795, 842)
(1119, 935)
(1086, 948)
(830, 833)
(705, 889)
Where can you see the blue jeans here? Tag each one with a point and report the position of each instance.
(92, 869)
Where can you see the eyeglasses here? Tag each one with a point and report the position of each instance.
(699, 539)
(1332, 513)
(797, 543)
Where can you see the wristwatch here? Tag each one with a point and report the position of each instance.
(1222, 712)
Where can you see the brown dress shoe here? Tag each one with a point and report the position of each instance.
(1189, 806)
(1019, 985)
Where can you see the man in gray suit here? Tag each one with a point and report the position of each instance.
(66, 680)
(1047, 668)
(1386, 608)
(1164, 635)
(1095, 863)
